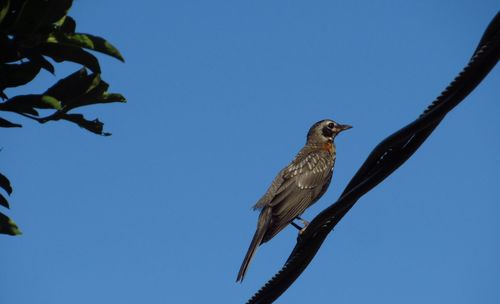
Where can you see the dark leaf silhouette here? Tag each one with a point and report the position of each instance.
(71, 53)
(16, 74)
(21, 103)
(67, 25)
(17, 104)
(86, 41)
(94, 126)
(8, 226)
(73, 85)
(5, 184)
(4, 9)
(36, 16)
(43, 63)
(10, 51)
(4, 123)
(32, 32)
(3, 201)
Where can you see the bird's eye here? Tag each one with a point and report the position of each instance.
(331, 125)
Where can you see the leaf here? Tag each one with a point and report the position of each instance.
(57, 10)
(3, 201)
(7, 226)
(111, 97)
(5, 184)
(97, 83)
(71, 86)
(11, 15)
(32, 101)
(51, 102)
(23, 104)
(87, 41)
(67, 25)
(94, 126)
(10, 51)
(96, 98)
(44, 63)
(20, 104)
(13, 75)
(4, 9)
(36, 16)
(95, 90)
(28, 103)
(29, 17)
(4, 123)
(81, 89)
(61, 52)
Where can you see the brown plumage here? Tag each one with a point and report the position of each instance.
(297, 186)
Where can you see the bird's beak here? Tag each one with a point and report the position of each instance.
(344, 127)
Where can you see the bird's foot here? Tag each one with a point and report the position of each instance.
(304, 223)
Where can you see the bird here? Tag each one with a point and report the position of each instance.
(296, 187)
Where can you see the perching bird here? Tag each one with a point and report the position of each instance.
(297, 186)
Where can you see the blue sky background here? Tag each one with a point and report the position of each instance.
(220, 97)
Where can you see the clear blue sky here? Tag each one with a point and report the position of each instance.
(221, 95)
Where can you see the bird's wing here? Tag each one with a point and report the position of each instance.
(306, 172)
(303, 178)
(271, 192)
(304, 181)
(312, 170)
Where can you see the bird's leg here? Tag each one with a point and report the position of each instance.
(306, 223)
(296, 226)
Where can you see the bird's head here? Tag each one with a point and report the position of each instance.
(325, 130)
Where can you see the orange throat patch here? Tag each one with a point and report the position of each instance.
(328, 146)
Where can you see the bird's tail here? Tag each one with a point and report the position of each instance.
(262, 225)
